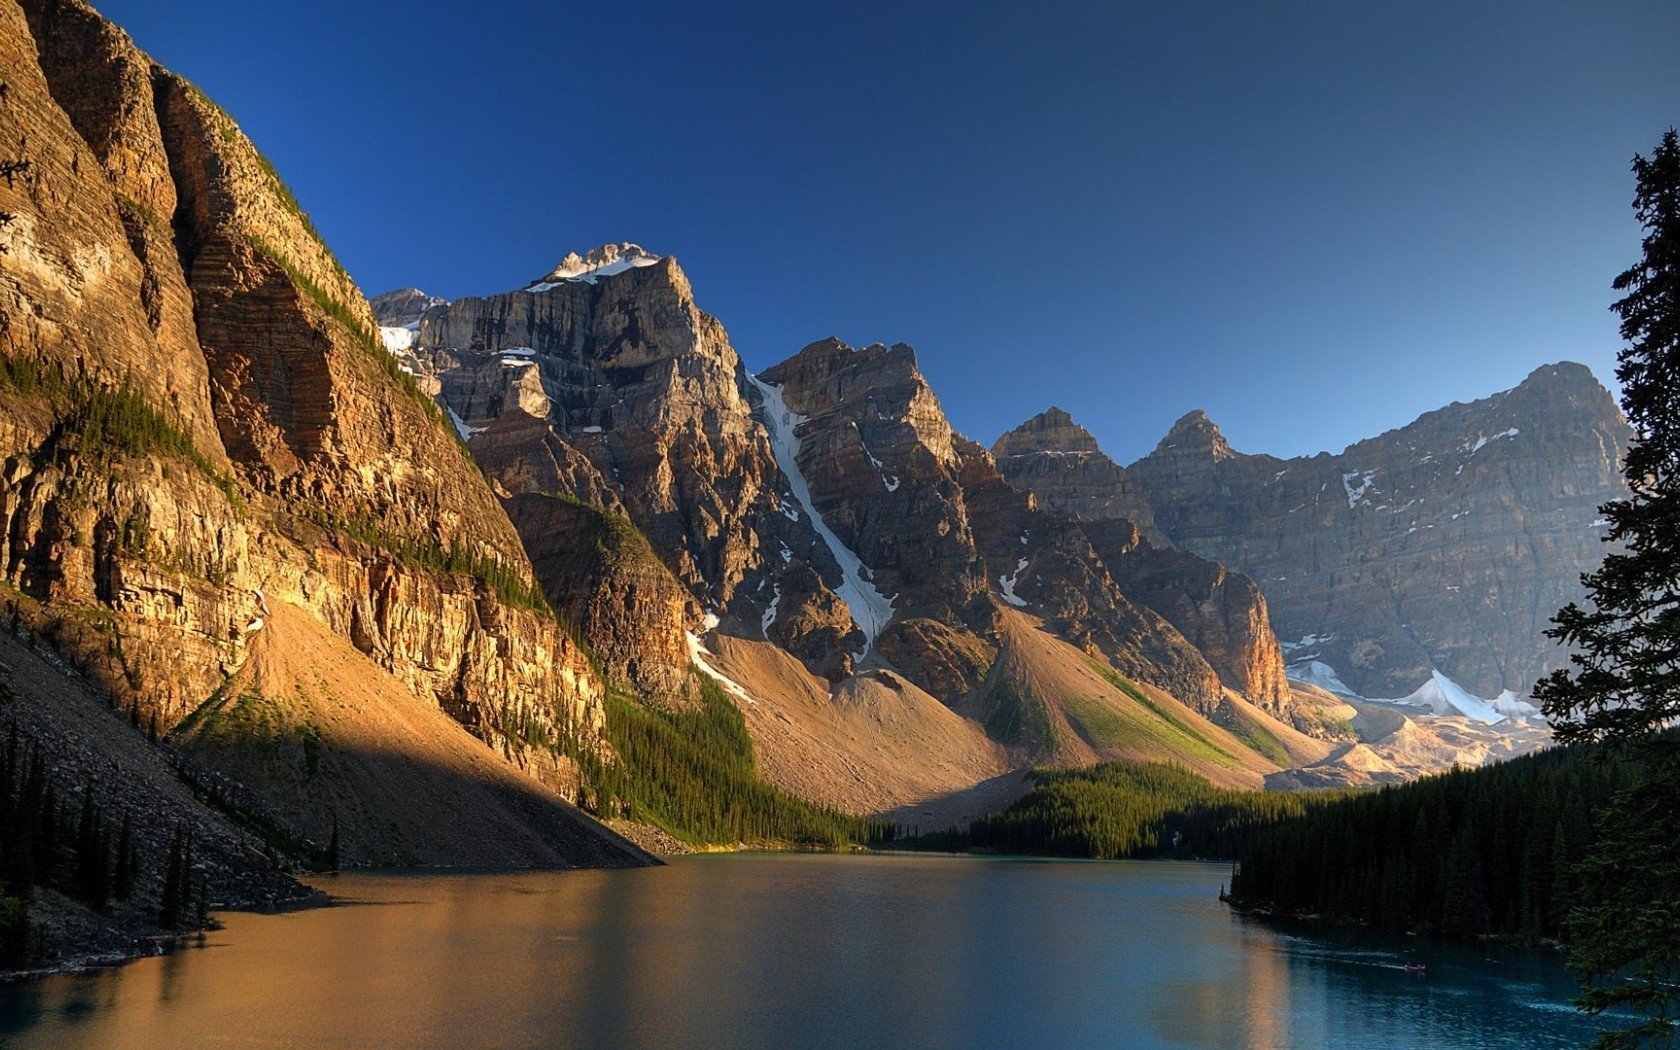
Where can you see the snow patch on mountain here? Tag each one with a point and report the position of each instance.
(1355, 493)
(609, 260)
(871, 610)
(770, 611)
(1443, 696)
(1007, 584)
(697, 652)
(398, 340)
(1321, 674)
(461, 426)
(1481, 442)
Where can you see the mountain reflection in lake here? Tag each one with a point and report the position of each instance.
(757, 950)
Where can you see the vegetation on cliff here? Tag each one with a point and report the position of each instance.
(73, 847)
(692, 773)
(1119, 810)
(1465, 854)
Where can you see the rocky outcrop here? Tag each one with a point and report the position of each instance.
(603, 381)
(1058, 461)
(200, 423)
(403, 307)
(880, 461)
(602, 575)
(1045, 562)
(1444, 545)
(1220, 614)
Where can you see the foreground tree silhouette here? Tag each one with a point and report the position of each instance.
(1624, 685)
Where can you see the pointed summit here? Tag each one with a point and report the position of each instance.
(1060, 463)
(604, 261)
(401, 307)
(1195, 433)
(1051, 431)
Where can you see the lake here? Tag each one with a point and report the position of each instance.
(797, 950)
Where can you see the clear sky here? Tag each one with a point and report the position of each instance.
(1314, 220)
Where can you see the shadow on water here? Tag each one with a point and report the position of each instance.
(796, 950)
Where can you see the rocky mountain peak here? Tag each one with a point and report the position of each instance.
(1440, 546)
(402, 307)
(832, 356)
(603, 261)
(1051, 431)
(1567, 386)
(1196, 433)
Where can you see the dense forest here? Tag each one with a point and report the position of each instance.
(692, 773)
(1472, 852)
(73, 847)
(1127, 809)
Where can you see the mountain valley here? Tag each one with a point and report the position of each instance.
(500, 580)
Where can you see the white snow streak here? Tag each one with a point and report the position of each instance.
(1355, 493)
(871, 610)
(770, 611)
(461, 427)
(1321, 674)
(698, 652)
(1007, 583)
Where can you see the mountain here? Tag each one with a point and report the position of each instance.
(1425, 562)
(1421, 565)
(823, 510)
(229, 513)
(1058, 461)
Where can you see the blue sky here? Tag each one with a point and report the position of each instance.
(1313, 220)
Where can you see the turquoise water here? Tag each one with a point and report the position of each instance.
(797, 951)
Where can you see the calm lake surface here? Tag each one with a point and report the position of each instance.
(790, 950)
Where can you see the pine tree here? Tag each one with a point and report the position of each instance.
(1624, 683)
(122, 880)
(172, 903)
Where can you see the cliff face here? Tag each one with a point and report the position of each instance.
(604, 382)
(1058, 461)
(1221, 614)
(878, 457)
(940, 533)
(200, 424)
(1444, 545)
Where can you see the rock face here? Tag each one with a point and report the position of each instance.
(1221, 614)
(1444, 545)
(402, 308)
(880, 462)
(1058, 461)
(200, 422)
(612, 588)
(604, 382)
(824, 505)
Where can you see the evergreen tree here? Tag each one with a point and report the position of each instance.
(92, 871)
(332, 846)
(172, 902)
(1624, 685)
(122, 879)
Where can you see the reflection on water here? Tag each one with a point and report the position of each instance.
(793, 951)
